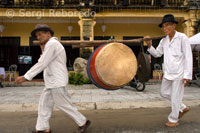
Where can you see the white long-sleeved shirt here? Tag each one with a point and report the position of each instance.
(178, 60)
(53, 62)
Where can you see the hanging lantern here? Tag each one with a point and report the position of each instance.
(70, 28)
(103, 28)
(2, 27)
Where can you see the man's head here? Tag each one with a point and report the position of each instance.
(168, 28)
(43, 36)
(42, 32)
(168, 24)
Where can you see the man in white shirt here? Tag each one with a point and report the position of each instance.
(53, 63)
(177, 67)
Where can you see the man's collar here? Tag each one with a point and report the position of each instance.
(175, 35)
(53, 38)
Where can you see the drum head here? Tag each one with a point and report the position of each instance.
(116, 64)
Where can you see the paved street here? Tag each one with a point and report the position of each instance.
(149, 120)
(88, 97)
(121, 111)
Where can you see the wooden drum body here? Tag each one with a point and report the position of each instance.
(112, 66)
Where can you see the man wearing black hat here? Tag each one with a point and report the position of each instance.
(53, 62)
(177, 67)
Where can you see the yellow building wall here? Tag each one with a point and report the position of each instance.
(23, 30)
(120, 30)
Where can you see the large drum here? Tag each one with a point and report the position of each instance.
(112, 66)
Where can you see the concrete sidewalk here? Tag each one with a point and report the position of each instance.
(40, 82)
(89, 97)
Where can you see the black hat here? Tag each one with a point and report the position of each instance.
(168, 18)
(42, 27)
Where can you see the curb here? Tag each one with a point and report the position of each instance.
(28, 83)
(25, 84)
(15, 107)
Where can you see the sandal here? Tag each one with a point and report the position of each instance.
(184, 112)
(171, 124)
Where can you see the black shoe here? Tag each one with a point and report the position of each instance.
(1, 85)
(83, 128)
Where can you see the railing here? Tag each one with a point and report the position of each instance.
(93, 3)
(176, 2)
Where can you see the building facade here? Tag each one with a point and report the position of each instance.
(88, 20)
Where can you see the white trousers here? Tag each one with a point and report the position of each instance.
(60, 98)
(173, 91)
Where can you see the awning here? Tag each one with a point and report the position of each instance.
(195, 42)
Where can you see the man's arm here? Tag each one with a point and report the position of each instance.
(188, 64)
(44, 60)
(42, 63)
(158, 52)
(21, 79)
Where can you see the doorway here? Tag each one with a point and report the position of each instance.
(9, 51)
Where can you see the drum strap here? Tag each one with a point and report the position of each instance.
(141, 48)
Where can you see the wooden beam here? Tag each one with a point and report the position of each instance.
(81, 43)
